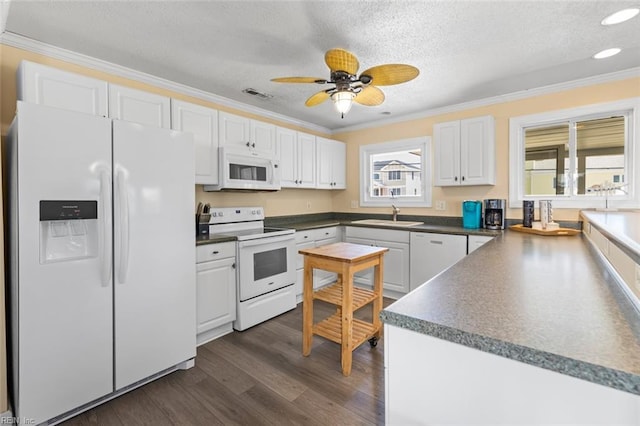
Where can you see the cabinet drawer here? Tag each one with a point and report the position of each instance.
(209, 252)
(304, 236)
(326, 233)
(378, 234)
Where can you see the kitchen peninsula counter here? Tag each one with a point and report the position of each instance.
(544, 301)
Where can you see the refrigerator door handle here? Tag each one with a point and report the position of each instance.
(105, 225)
(123, 216)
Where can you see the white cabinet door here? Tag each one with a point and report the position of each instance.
(465, 152)
(331, 163)
(300, 264)
(288, 153)
(477, 151)
(306, 156)
(396, 266)
(203, 123)
(215, 294)
(364, 277)
(263, 137)
(433, 253)
(323, 237)
(476, 241)
(324, 169)
(138, 106)
(447, 153)
(40, 84)
(339, 164)
(234, 130)
(241, 131)
(396, 262)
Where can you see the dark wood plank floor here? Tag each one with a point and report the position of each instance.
(259, 377)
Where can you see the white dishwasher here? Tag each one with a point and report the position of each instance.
(432, 253)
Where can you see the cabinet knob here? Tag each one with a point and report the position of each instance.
(233, 265)
(215, 252)
(463, 178)
(253, 145)
(248, 143)
(455, 178)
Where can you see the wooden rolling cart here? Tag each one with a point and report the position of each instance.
(345, 259)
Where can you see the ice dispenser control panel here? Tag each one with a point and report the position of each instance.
(68, 230)
(68, 210)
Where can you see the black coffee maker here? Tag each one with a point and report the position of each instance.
(494, 212)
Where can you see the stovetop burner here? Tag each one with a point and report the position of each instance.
(243, 223)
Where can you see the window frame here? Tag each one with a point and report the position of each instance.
(518, 125)
(366, 151)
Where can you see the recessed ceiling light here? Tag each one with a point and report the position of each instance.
(606, 53)
(620, 16)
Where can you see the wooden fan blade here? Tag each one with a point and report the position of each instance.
(317, 99)
(341, 60)
(370, 96)
(386, 75)
(299, 80)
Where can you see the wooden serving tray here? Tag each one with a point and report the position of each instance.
(555, 232)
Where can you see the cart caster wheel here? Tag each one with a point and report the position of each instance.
(373, 342)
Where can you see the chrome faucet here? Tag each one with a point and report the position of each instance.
(395, 212)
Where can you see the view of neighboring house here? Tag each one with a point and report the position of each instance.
(396, 178)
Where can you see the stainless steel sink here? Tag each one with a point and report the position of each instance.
(386, 222)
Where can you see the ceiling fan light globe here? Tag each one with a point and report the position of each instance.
(342, 101)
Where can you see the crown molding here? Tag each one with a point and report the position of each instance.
(24, 43)
(21, 42)
(529, 93)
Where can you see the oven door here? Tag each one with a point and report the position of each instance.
(265, 264)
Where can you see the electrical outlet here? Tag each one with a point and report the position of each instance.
(441, 205)
(354, 204)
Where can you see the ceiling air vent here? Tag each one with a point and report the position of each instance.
(257, 94)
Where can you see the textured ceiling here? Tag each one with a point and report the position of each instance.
(465, 50)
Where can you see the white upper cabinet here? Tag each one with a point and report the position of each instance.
(241, 131)
(40, 84)
(465, 152)
(203, 123)
(139, 107)
(297, 153)
(331, 164)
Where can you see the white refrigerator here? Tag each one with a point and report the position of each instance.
(102, 257)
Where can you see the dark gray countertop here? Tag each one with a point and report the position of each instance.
(213, 239)
(545, 301)
(621, 227)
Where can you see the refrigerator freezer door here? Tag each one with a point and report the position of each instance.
(155, 324)
(63, 334)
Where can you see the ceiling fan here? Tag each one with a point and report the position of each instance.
(349, 87)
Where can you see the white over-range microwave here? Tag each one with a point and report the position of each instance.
(242, 169)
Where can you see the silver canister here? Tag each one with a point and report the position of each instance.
(546, 213)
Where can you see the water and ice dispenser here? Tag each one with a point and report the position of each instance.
(68, 230)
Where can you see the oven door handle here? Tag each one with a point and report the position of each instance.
(266, 240)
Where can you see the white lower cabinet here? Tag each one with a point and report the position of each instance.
(215, 290)
(492, 389)
(314, 238)
(432, 253)
(396, 260)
